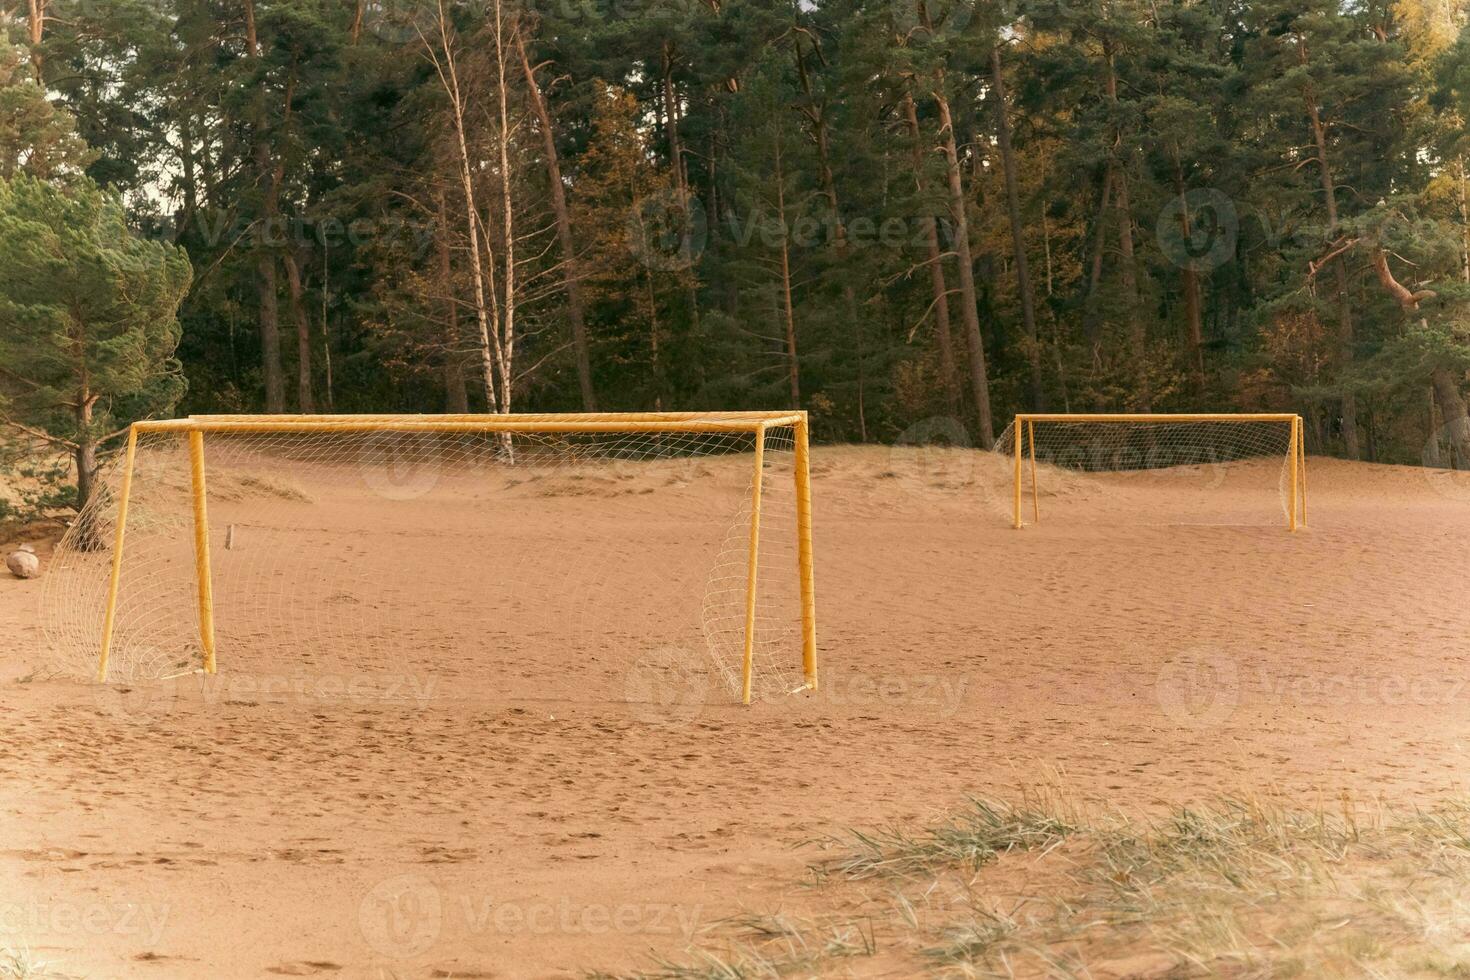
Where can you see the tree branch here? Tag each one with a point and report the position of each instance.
(1406, 298)
(39, 434)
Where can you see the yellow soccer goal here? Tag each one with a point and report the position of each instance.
(1157, 469)
(535, 556)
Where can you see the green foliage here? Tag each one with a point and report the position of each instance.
(35, 136)
(34, 481)
(88, 322)
(1170, 159)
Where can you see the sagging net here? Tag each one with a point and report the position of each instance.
(1217, 472)
(564, 566)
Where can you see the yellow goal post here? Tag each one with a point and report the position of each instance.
(1273, 434)
(196, 431)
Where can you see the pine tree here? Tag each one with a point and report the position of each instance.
(88, 319)
(635, 244)
(36, 137)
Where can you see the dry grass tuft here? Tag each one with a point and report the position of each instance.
(976, 836)
(21, 964)
(1233, 889)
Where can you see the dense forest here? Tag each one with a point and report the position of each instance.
(884, 211)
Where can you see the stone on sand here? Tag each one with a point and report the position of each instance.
(23, 562)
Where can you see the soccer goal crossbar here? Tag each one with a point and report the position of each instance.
(1104, 442)
(196, 431)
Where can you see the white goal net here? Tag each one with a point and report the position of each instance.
(568, 565)
(1153, 469)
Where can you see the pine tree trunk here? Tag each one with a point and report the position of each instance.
(84, 457)
(793, 365)
(671, 125)
(36, 33)
(1128, 266)
(655, 361)
(1345, 310)
(191, 181)
(571, 282)
(1452, 410)
(949, 373)
(1035, 394)
(1432, 457)
(326, 327)
(270, 334)
(1464, 220)
(979, 381)
(1137, 335)
(304, 400)
(1193, 313)
(1091, 315)
(681, 176)
(816, 116)
(265, 263)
